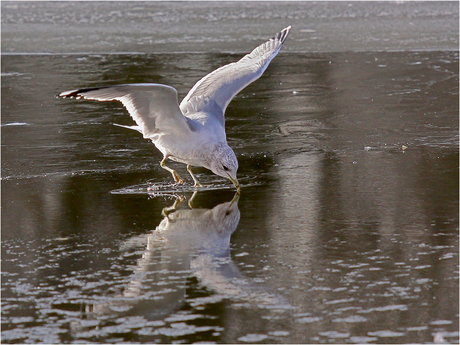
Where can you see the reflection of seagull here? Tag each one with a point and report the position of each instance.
(187, 242)
(193, 132)
(201, 229)
(157, 286)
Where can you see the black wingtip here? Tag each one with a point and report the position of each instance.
(68, 94)
(282, 35)
(78, 93)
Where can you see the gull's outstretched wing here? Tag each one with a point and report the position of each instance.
(219, 87)
(154, 107)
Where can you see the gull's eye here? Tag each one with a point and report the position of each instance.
(225, 168)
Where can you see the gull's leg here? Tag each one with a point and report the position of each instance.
(191, 199)
(189, 169)
(173, 172)
(167, 210)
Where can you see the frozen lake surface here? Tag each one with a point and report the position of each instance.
(102, 27)
(346, 230)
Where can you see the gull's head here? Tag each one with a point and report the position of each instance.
(225, 164)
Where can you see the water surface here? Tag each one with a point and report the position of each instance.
(346, 229)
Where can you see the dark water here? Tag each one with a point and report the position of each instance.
(346, 230)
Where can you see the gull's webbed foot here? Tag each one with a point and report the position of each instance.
(176, 177)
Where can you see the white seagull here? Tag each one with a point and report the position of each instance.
(193, 132)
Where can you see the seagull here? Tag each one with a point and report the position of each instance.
(192, 132)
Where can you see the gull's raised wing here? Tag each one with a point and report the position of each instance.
(219, 87)
(154, 107)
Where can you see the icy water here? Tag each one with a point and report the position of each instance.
(346, 229)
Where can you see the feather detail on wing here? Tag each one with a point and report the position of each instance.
(219, 87)
(154, 107)
(134, 128)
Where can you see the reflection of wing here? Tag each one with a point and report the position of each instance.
(221, 275)
(153, 106)
(219, 87)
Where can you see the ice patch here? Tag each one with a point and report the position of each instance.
(386, 334)
(351, 319)
(309, 319)
(252, 338)
(441, 322)
(334, 334)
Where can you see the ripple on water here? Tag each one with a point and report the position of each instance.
(12, 124)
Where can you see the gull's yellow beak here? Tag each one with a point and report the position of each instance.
(236, 197)
(236, 184)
